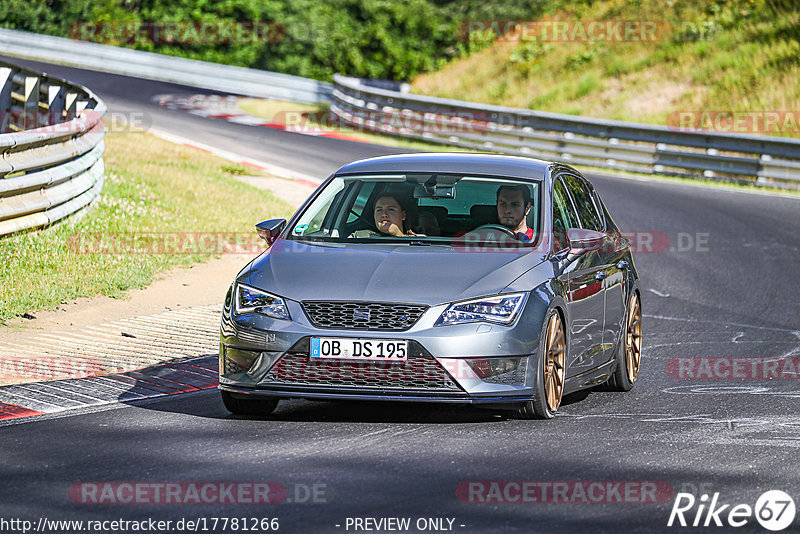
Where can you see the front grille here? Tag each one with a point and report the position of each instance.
(422, 373)
(363, 315)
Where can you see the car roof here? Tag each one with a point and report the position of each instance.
(452, 162)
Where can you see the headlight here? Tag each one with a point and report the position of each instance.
(249, 299)
(502, 309)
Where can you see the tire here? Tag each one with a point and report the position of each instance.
(550, 371)
(629, 349)
(248, 406)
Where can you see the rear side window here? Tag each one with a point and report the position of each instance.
(564, 216)
(584, 203)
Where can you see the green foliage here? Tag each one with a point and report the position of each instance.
(367, 38)
(236, 170)
(588, 83)
(52, 17)
(526, 55)
(579, 59)
(617, 66)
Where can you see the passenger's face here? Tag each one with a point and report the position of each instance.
(389, 216)
(511, 209)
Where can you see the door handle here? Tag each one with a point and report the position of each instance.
(601, 275)
(622, 265)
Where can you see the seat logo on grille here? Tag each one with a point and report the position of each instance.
(361, 314)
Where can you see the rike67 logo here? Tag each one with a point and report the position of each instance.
(774, 510)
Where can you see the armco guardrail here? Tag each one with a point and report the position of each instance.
(160, 67)
(626, 146)
(51, 148)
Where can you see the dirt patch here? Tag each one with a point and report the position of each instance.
(657, 95)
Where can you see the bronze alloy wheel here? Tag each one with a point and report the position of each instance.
(633, 339)
(554, 364)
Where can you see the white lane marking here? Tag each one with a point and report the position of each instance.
(707, 389)
(679, 343)
(247, 120)
(237, 158)
(376, 432)
(691, 320)
(68, 393)
(659, 293)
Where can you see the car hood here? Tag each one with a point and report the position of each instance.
(385, 272)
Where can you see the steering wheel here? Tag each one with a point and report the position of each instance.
(495, 227)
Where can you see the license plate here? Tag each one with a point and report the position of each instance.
(342, 348)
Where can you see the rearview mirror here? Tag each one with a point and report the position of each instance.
(270, 230)
(434, 191)
(581, 240)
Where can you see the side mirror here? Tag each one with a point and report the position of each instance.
(581, 240)
(270, 230)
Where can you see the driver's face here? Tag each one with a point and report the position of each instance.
(389, 216)
(511, 210)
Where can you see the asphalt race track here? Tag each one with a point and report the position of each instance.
(720, 284)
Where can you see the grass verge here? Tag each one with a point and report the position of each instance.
(151, 187)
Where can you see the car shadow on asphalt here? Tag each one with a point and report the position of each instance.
(394, 412)
(208, 403)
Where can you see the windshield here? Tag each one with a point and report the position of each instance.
(423, 209)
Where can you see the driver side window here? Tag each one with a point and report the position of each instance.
(564, 215)
(584, 203)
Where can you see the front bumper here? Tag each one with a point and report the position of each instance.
(368, 395)
(265, 357)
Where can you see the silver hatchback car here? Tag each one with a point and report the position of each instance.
(456, 278)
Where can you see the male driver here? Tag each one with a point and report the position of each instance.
(513, 205)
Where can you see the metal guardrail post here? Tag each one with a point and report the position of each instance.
(30, 103)
(70, 105)
(5, 97)
(55, 104)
